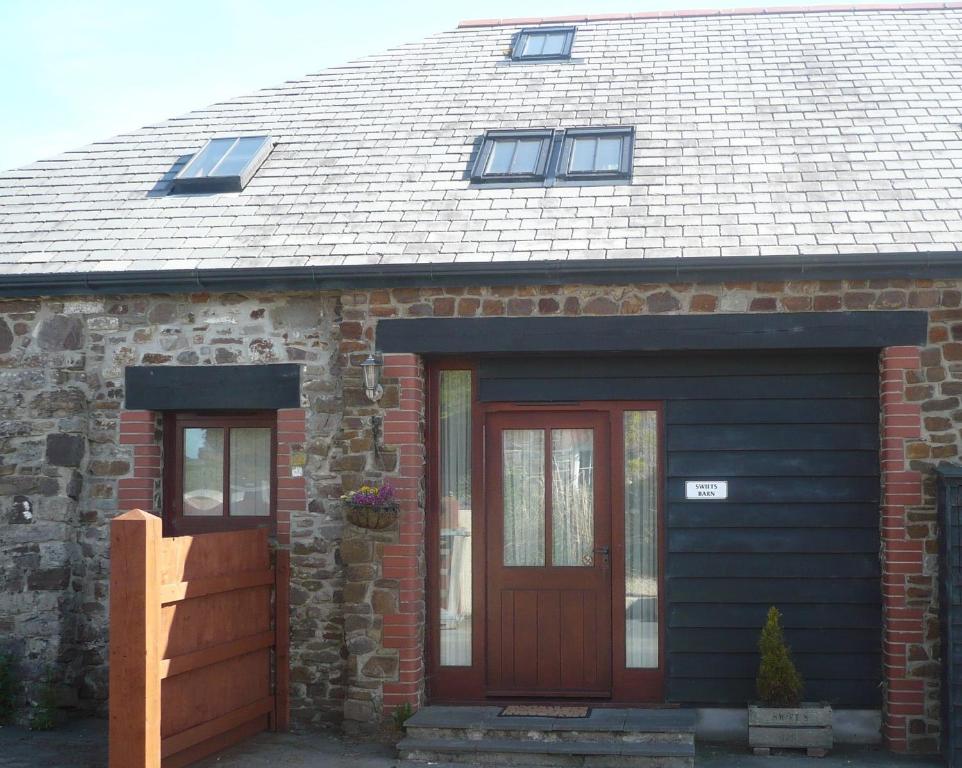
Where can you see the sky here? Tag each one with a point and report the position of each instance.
(75, 71)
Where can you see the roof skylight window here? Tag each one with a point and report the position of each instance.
(596, 153)
(513, 156)
(223, 165)
(543, 43)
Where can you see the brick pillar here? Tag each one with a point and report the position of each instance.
(140, 490)
(291, 458)
(902, 554)
(404, 561)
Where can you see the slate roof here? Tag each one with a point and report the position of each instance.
(757, 134)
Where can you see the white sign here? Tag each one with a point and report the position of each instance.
(706, 489)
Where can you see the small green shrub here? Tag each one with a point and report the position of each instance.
(778, 683)
(8, 688)
(43, 716)
(401, 714)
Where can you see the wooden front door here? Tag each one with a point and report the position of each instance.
(548, 554)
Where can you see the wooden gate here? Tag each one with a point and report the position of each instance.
(198, 642)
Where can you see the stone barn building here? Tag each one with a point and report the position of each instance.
(665, 313)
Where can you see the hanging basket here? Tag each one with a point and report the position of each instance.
(372, 518)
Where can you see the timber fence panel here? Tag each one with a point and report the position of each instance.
(200, 633)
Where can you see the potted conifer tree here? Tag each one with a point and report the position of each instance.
(781, 721)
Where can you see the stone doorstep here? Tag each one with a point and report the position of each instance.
(546, 736)
(409, 745)
(601, 719)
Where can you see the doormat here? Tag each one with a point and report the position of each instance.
(537, 710)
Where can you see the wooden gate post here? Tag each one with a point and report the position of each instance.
(134, 651)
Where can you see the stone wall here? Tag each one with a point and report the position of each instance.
(61, 462)
(61, 391)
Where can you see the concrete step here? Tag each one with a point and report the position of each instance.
(559, 754)
(607, 738)
(637, 726)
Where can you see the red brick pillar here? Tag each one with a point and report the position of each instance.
(404, 561)
(902, 554)
(291, 460)
(139, 490)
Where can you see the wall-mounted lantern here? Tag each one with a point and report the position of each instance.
(372, 378)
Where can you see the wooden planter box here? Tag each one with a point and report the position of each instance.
(807, 727)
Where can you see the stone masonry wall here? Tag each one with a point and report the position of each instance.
(61, 390)
(61, 461)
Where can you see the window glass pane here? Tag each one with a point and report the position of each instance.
(501, 154)
(203, 163)
(608, 156)
(526, 156)
(239, 157)
(250, 472)
(572, 497)
(522, 453)
(582, 155)
(641, 539)
(533, 45)
(455, 492)
(553, 43)
(203, 472)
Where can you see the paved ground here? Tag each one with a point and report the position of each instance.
(83, 744)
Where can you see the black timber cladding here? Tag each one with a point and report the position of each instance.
(950, 600)
(796, 436)
(216, 387)
(649, 333)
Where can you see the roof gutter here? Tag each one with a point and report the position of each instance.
(931, 265)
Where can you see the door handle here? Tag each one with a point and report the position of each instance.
(605, 553)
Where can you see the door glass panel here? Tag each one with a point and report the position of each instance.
(522, 453)
(455, 492)
(203, 472)
(641, 539)
(250, 472)
(572, 497)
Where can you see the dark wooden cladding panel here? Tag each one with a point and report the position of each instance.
(735, 692)
(790, 489)
(786, 411)
(848, 641)
(708, 615)
(851, 385)
(708, 365)
(653, 333)
(811, 666)
(772, 437)
(844, 541)
(697, 514)
(736, 463)
(774, 590)
(215, 387)
(795, 434)
(765, 565)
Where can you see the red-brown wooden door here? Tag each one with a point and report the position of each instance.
(548, 554)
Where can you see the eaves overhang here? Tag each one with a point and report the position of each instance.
(908, 265)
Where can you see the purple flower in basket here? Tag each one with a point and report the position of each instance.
(370, 496)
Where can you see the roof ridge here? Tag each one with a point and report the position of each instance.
(757, 11)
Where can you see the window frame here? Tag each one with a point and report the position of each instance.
(492, 137)
(521, 38)
(182, 184)
(175, 422)
(627, 135)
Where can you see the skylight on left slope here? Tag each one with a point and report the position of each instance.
(223, 165)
